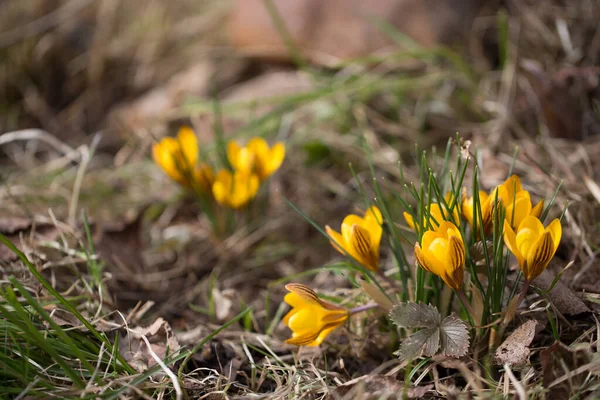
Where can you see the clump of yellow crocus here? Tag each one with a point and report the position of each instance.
(442, 252)
(178, 156)
(360, 237)
(514, 199)
(311, 319)
(256, 157)
(235, 189)
(437, 213)
(532, 244)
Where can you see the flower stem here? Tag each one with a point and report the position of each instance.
(465, 302)
(363, 308)
(524, 291)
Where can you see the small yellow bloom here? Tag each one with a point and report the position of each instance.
(511, 195)
(437, 213)
(178, 157)
(256, 157)
(311, 319)
(360, 238)
(533, 245)
(236, 189)
(442, 252)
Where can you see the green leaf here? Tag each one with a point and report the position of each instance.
(454, 337)
(415, 315)
(450, 336)
(413, 346)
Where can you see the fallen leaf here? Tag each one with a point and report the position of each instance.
(378, 387)
(515, 349)
(563, 298)
(135, 350)
(558, 361)
(477, 304)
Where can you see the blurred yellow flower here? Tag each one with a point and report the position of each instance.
(468, 211)
(235, 189)
(256, 157)
(178, 156)
(360, 238)
(515, 200)
(311, 319)
(533, 245)
(442, 252)
(437, 213)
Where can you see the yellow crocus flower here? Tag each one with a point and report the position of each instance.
(515, 200)
(442, 252)
(235, 189)
(437, 214)
(532, 244)
(256, 157)
(311, 319)
(360, 238)
(178, 156)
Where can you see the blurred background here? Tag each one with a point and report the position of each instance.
(77, 67)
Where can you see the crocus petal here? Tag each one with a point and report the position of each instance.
(274, 160)
(311, 319)
(189, 146)
(428, 238)
(428, 261)
(347, 224)
(555, 229)
(372, 222)
(528, 232)
(456, 250)
(510, 240)
(337, 241)
(519, 209)
(512, 185)
(409, 220)
(166, 154)
(363, 247)
(537, 210)
(259, 146)
(540, 255)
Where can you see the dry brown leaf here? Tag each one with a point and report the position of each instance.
(376, 387)
(136, 352)
(511, 309)
(558, 361)
(515, 349)
(375, 293)
(563, 298)
(476, 304)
